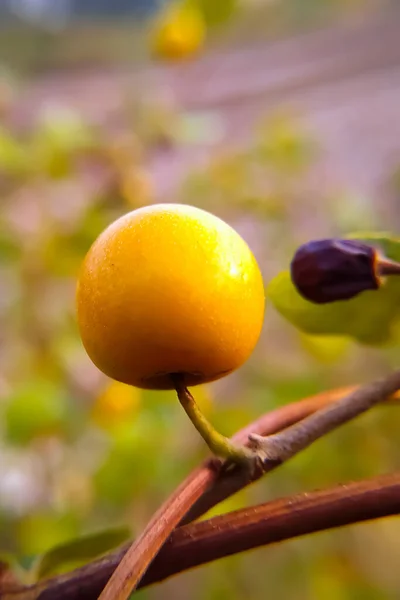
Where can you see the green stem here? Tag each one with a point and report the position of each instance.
(219, 444)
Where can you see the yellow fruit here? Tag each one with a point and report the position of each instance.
(178, 33)
(169, 288)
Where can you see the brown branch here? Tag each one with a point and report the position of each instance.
(135, 562)
(208, 475)
(280, 419)
(208, 478)
(284, 445)
(142, 551)
(200, 543)
(274, 450)
(276, 420)
(224, 535)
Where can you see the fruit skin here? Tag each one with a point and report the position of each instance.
(179, 33)
(169, 288)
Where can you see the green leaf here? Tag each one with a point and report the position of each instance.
(282, 144)
(13, 155)
(10, 249)
(80, 551)
(371, 317)
(11, 571)
(326, 349)
(216, 13)
(35, 408)
(37, 532)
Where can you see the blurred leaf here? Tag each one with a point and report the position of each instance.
(282, 144)
(335, 576)
(13, 156)
(117, 403)
(216, 12)
(60, 128)
(235, 502)
(228, 173)
(37, 408)
(277, 391)
(10, 249)
(268, 206)
(204, 399)
(200, 128)
(39, 532)
(132, 460)
(118, 479)
(326, 349)
(370, 318)
(77, 552)
(60, 135)
(62, 254)
(8, 91)
(229, 419)
(11, 570)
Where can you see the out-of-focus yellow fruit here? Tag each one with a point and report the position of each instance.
(117, 403)
(169, 288)
(179, 33)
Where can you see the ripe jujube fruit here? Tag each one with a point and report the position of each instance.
(167, 289)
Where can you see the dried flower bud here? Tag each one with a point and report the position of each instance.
(333, 269)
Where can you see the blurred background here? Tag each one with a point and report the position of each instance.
(283, 118)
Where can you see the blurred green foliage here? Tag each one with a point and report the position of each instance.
(71, 555)
(216, 13)
(39, 408)
(82, 456)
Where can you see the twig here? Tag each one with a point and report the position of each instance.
(274, 421)
(281, 446)
(215, 486)
(219, 445)
(203, 542)
(140, 554)
(208, 478)
(199, 543)
(126, 578)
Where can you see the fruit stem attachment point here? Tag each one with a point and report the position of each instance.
(219, 445)
(386, 266)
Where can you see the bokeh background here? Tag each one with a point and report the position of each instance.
(283, 118)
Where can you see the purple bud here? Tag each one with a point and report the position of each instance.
(333, 269)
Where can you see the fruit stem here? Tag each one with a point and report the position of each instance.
(385, 266)
(219, 445)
